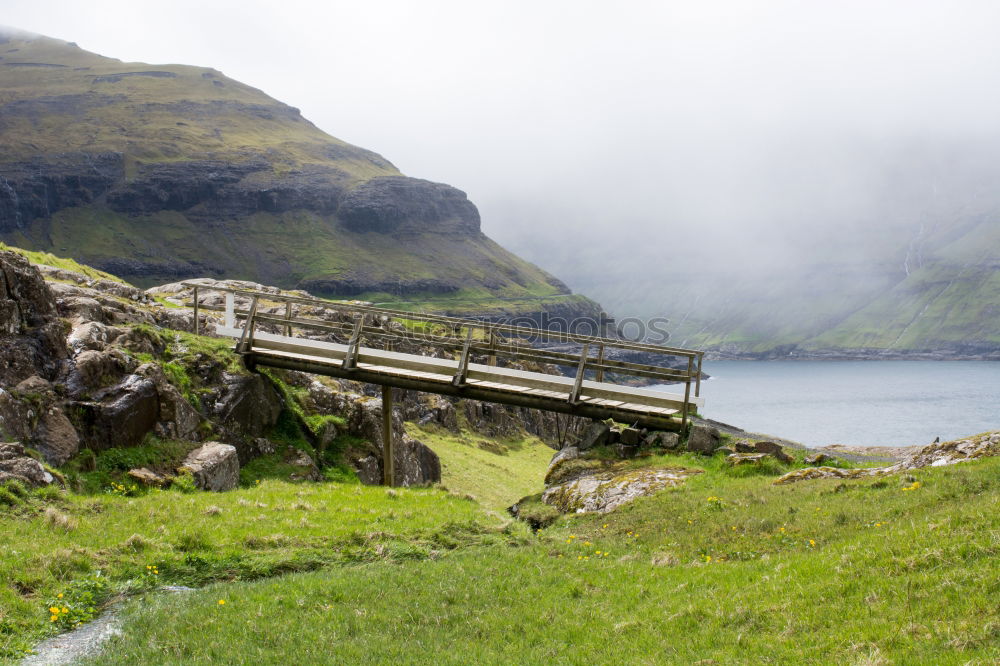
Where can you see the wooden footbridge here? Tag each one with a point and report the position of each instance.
(468, 358)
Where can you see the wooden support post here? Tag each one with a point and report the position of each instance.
(288, 315)
(196, 310)
(697, 385)
(463, 361)
(351, 357)
(600, 366)
(246, 339)
(581, 370)
(493, 348)
(388, 462)
(687, 395)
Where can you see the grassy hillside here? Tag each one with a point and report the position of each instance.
(67, 99)
(726, 568)
(155, 172)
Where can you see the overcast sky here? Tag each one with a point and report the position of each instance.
(579, 120)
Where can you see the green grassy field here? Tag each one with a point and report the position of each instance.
(90, 548)
(726, 568)
(496, 473)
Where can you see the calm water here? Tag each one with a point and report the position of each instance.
(866, 403)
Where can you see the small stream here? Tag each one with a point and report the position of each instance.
(79, 644)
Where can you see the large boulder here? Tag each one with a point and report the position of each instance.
(662, 440)
(704, 439)
(773, 450)
(16, 465)
(214, 466)
(56, 438)
(595, 434)
(248, 405)
(120, 416)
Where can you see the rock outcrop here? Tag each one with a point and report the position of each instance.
(933, 455)
(214, 466)
(32, 339)
(16, 465)
(605, 490)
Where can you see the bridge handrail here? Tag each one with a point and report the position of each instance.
(559, 336)
(498, 338)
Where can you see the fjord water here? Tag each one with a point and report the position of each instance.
(861, 403)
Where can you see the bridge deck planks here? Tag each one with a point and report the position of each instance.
(500, 381)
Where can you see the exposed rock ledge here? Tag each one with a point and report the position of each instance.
(606, 490)
(933, 455)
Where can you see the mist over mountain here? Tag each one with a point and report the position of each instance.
(887, 245)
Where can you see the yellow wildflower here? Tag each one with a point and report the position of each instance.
(222, 602)
(812, 543)
(53, 618)
(53, 610)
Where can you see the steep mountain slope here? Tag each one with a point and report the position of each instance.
(166, 171)
(912, 272)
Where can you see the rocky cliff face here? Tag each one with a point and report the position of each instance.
(166, 172)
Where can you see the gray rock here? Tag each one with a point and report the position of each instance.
(178, 419)
(214, 465)
(630, 436)
(816, 459)
(305, 466)
(121, 416)
(743, 446)
(93, 370)
(703, 439)
(735, 459)
(625, 451)
(397, 204)
(774, 450)
(663, 440)
(725, 450)
(248, 405)
(15, 465)
(606, 489)
(32, 339)
(17, 419)
(56, 438)
(92, 335)
(596, 434)
(34, 385)
(148, 477)
(559, 459)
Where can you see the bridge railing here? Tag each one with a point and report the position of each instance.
(360, 325)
